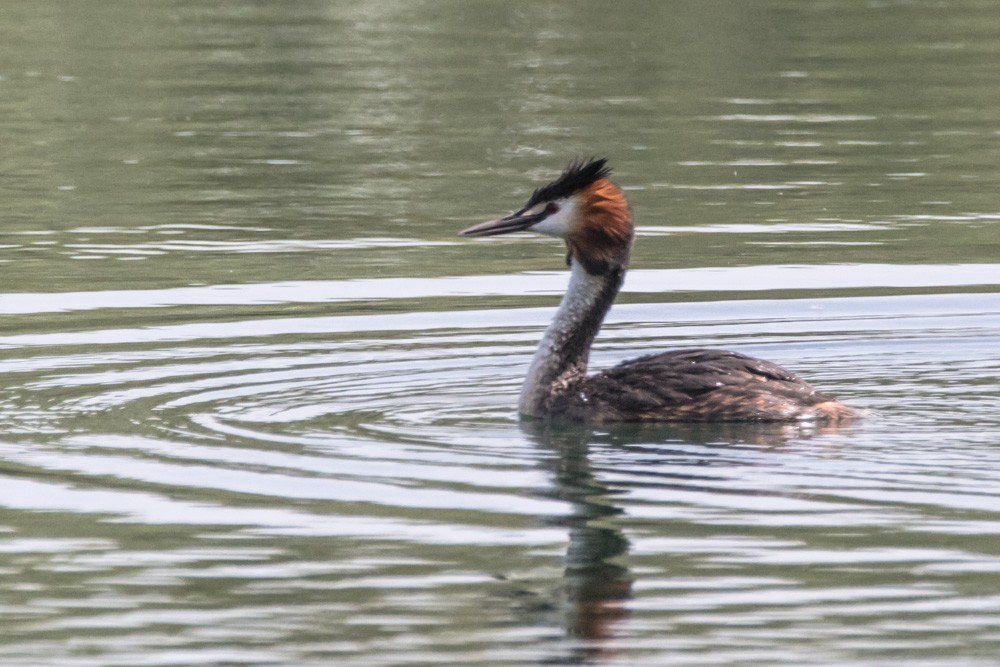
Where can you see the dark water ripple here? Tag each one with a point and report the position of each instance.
(262, 448)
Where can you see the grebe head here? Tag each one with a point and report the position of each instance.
(582, 207)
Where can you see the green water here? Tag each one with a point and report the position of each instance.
(257, 397)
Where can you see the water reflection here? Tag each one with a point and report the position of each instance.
(597, 580)
(597, 583)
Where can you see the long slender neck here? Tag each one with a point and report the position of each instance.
(561, 359)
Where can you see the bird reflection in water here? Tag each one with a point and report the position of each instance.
(597, 583)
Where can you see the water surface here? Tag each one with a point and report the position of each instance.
(258, 398)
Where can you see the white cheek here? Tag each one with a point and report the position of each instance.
(558, 223)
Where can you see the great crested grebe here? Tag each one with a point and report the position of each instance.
(591, 214)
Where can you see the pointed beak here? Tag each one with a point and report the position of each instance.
(515, 222)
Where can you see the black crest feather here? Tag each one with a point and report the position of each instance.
(578, 175)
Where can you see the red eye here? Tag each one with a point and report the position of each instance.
(551, 208)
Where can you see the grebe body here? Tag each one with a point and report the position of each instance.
(591, 214)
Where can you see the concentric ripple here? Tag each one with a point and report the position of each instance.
(376, 463)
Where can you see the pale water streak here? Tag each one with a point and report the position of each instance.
(721, 279)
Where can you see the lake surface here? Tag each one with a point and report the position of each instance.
(257, 398)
